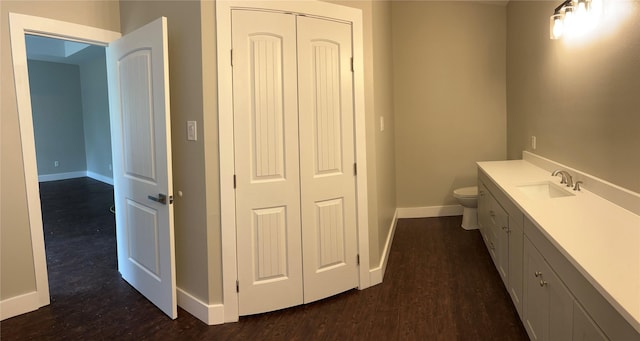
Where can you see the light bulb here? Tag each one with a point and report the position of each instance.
(556, 26)
(569, 19)
(595, 10)
(582, 8)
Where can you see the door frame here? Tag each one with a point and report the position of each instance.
(19, 26)
(319, 9)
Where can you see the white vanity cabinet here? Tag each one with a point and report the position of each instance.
(501, 227)
(547, 307)
(550, 311)
(570, 276)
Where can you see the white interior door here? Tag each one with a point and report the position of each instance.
(266, 161)
(138, 71)
(327, 157)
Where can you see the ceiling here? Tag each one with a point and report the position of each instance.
(61, 51)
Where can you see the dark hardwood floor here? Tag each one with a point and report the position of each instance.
(440, 284)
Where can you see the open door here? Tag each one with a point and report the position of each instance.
(138, 71)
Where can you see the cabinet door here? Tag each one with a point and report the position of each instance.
(547, 304)
(483, 211)
(536, 298)
(501, 227)
(584, 329)
(516, 236)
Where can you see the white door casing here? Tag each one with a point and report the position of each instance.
(327, 157)
(266, 162)
(138, 74)
(21, 25)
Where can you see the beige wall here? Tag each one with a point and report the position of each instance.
(579, 98)
(378, 102)
(449, 96)
(193, 97)
(16, 268)
(385, 152)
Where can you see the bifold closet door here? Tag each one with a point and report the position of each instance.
(294, 159)
(266, 161)
(325, 97)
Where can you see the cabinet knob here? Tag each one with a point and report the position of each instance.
(543, 282)
(537, 273)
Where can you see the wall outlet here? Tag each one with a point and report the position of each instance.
(533, 142)
(192, 131)
(56, 163)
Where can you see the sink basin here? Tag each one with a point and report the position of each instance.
(544, 190)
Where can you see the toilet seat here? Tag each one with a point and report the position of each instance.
(466, 192)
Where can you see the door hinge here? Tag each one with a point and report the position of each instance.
(231, 57)
(358, 259)
(237, 286)
(170, 199)
(234, 181)
(355, 169)
(352, 64)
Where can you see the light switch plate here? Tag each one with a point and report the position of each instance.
(533, 142)
(192, 131)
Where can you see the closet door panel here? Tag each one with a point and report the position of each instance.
(325, 88)
(266, 161)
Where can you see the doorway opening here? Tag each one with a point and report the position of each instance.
(70, 111)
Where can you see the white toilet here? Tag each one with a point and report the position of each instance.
(468, 198)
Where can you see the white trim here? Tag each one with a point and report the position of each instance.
(377, 274)
(429, 211)
(61, 176)
(225, 132)
(620, 196)
(73, 175)
(100, 177)
(208, 313)
(18, 305)
(19, 25)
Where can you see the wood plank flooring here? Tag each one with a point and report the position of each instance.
(440, 284)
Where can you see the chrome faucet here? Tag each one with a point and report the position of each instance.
(566, 177)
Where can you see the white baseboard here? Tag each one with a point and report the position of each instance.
(100, 177)
(61, 176)
(376, 274)
(208, 313)
(19, 305)
(73, 175)
(429, 211)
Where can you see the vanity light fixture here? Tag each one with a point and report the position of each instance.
(574, 17)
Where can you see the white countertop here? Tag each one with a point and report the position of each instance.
(601, 239)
